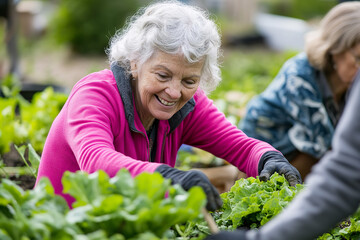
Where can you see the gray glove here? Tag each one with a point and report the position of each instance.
(188, 179)
(271, 162)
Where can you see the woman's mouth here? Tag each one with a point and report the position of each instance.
(164, 102)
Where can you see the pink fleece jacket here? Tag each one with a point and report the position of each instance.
(92, 132)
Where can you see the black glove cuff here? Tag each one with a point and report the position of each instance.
(266, 156)
(170, 173)
(186, 179)
(163, 169)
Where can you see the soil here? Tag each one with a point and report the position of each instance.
(13, 159)
(26, 182)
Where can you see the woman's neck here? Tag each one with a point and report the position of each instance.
(146, 119)
(147, 124)
(337, 87)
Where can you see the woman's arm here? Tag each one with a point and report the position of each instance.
(94, 122)
(208, 129)
(333, 189)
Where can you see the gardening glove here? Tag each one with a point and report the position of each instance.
(235, 235)
(272, 162)
(188, 179)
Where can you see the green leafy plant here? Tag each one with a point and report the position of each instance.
(28, 122)
(348, 229)
(36, 117)
(251, 203)
(32, 161)
(10, 85)
(8, 123)
(30, 214)
(2, 169)
(122, 207)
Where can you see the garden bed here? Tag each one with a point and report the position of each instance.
(15, 169)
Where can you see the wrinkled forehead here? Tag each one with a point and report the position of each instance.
(160, 57)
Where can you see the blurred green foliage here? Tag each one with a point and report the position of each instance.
(249, 71)
(28, 122)
(303, 9)
(87, 25)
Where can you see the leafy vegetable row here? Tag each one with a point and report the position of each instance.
(144, 207)
(251, 203)
(22, 121)
(121, 207)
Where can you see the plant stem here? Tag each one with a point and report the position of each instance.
(13, 171)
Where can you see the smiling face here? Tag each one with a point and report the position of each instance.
(163, 85)
(347, 64)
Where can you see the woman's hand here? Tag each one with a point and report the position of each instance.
(272, 162)
(188, 179)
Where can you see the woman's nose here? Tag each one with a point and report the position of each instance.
(173, 90)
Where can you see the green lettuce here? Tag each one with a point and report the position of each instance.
(122, 207)
(251, 203)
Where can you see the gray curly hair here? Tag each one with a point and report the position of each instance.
(174, 28)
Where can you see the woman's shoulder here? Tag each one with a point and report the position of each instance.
(97, 90)
(296, 73)
(298, 65)
(103, 79)
(99, 84)
(105, 75)
(296, 80)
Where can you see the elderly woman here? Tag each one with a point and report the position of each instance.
(298, 112)
(138, 114)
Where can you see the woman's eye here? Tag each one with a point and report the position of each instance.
(162, 76)
(189, 82)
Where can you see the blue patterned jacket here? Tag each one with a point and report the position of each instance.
(295, 112)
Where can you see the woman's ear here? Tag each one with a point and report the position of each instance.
(134, 69)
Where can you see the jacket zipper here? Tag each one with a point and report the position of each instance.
(148, 143)
(163, 145)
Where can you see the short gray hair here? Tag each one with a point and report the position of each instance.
(171, 27)
(339, 31)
